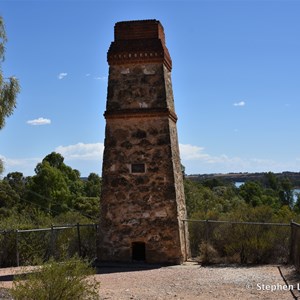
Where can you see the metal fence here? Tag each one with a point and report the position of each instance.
(239, 242)
(31, 246)
(295, 245)
(210, 242)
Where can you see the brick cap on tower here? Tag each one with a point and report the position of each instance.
(141, 41)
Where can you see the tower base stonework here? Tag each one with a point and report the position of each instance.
(142, 199)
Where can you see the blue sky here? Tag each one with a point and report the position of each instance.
(236, 73)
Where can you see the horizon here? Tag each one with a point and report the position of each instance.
(235, 81)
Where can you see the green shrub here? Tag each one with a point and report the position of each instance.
(57, 281)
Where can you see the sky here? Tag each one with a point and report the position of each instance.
(235, 76)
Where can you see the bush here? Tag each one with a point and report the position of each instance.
(53, 280)
(208, 254)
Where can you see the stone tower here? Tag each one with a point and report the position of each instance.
(142, 201)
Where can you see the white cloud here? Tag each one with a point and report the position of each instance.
(82, 151)
(39, 121)
(86, 158)
(190, 152)
(23, 165)
(241, 103)
(62, 75)
(197, 161)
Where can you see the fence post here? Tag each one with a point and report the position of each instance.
(206, 240)
(79, 239)
(184, 237)
(291, 258)
(97, 238)
(206, 231)
(17, 248)
(52, 242)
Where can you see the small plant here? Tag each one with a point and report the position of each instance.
(57, 281)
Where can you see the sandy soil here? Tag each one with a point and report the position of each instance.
(189, 281)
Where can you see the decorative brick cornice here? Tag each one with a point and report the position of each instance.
(139, 42)
(140, 113)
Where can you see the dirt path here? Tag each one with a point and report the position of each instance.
(189, 281)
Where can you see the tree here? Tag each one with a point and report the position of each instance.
(88, 204)
(93, 186)
(286, 192)
(72, 176)
(272, 181)
(214, 182)
(9, 87)
(56, 187)
(49, 189)
(17, 181)
(8, 198)
(88, 207)
(55, 160)
(251, 192)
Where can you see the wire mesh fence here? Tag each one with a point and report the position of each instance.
(7, 248)
(31, 246)
(239, 242)
(210, 242)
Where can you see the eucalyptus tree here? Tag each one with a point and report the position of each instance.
(9, 199)
(17, 181)
(9, 87)
(93, 185)
(56, 186)
(48, 189)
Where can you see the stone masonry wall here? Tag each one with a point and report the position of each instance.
(145, 205)
(140, 207)
(136, 86)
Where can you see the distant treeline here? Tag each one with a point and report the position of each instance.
(294, 177)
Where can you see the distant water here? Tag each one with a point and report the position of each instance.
(295, 191)
(239, 183)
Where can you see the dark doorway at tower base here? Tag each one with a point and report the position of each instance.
(138, 252)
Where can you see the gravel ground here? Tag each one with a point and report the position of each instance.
(189, 281)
